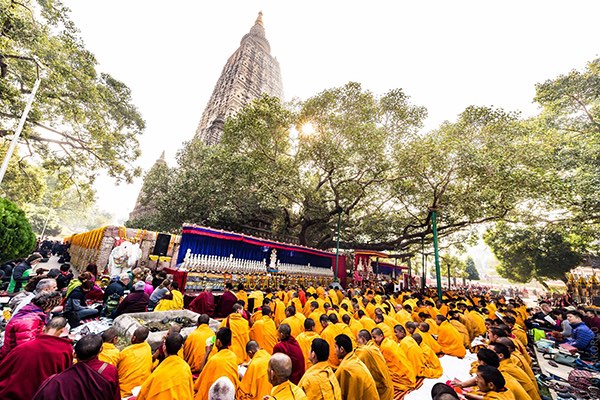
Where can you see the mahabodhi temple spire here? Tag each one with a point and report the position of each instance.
(248, 73)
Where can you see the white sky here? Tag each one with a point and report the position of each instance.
(446, 55)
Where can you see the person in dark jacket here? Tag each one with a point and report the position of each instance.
(20, 273)
(76, 307)
(116, 286)
(581, 335)
(62, 281)
(136, 301)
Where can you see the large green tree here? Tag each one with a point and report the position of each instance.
(471, 270)
(82, 121)
(16, 236)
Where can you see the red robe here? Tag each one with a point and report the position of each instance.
(86, 380)
(204, 303)
(292, 349)
(30, 364)
(226, 303)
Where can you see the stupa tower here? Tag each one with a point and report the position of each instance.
(248, 73)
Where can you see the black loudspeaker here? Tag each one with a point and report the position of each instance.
(596, 301)
(162, 244)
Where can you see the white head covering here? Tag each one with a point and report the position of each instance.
(222, 389)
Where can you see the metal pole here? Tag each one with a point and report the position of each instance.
(436, 253)
(337, 248)
(45, 225)
(15, 139)
(423, 262)
(409, 274)
(448, 276)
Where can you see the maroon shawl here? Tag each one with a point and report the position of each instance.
(30, 364)
(292, 349)
(86, 380)
(204, 303)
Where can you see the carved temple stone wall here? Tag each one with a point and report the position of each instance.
(249, 72)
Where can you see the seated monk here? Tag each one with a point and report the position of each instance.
(329, 332)
(517, 358)
(224, 363)
(280, 368)
(411, 349)
(368, 352)
(432, 368)
(507, 366)
(454, 319)
(172, 379)
(289, 346)
(294, 321)
(263, 331)
(110, 353)
(240, 331)
(194, 348)
(428, 339)
(255, 384)
(449, 338)
(135, 362)
(491, 382)
(380, 323)
(352, 374)
(90, 378)
(403, 376)
(319, 381)
(305, 340)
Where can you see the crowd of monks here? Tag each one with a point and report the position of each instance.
(324, 343)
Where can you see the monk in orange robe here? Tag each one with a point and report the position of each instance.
(368, 352)
(294, 321)
(172, 379)
(449, 338)
(403, 376)
(367, 323)
(109, 353)
(319, 381)
(224, 363)
(454, 319)
(255, 383)
(411, 349)
(194, 349)
(353, 324)
(353, 375)
(135, 362)
(315, 314)
(432, 368)
(330, 331)
(305, 340)
(264, 331)
(428, 339)
(240, 331)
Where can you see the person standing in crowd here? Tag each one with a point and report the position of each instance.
(29, 322)
(226, 302)
(31, 363)
(90, 378)
(21, 273)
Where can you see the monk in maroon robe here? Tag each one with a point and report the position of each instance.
(90, 378)
(30, 364)
(204, 303)
(289, 346)
(226, 302)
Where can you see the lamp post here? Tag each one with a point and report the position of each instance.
(337, 248)
(15, 138)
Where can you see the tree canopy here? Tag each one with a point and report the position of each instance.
(16, 237)
(82, 121)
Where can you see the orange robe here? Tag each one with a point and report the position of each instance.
(316, 315)
(224, 363)
(176, 303)
(329, 335)
(171, 380)
(431, 342)
(451, 340)
(239, 335)
(371, 356)
(355, 379)
(134, 367)
(264, 333)
(242, 295)
(520, 362)
(255, 383)
(403, 376)
(194, 348)
(507, 366)
(413, 353)
(319, 383)
(287, 391)
(109, 354)
(305, 340)
(367, 323)
(432, 368)
(462, 329)
(278, 311)
(295, 323)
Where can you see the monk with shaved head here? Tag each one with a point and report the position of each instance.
(279, 371)
(135, 362)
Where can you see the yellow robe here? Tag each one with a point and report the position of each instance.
(305, 340)
(295, 323)
(505, 395)
(134, 366)
(194, 348)
(315, 316)
(451, 340)
(239, 335)
(109, 354)
(329, 335)
(479, 322)
(242, 295)
(403, 317)
(413, 353)
(319, 383)
(287, 391)
(171, 380)
(403, 376)
(433, 326)
(278, 311)
(431, 342)
(355, 327)
(355, 379)
(507, 366)
(520, 334)
(515, 387)
(432, 367)
(224, 363)
(371, 356)
(520, 362)
(264, 333)
(333, 297)
(297, 305)
(462, 329)
(176, 303)
(255, 383)
(367, 323)
(521, 349)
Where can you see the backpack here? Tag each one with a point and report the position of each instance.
(112, 303)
